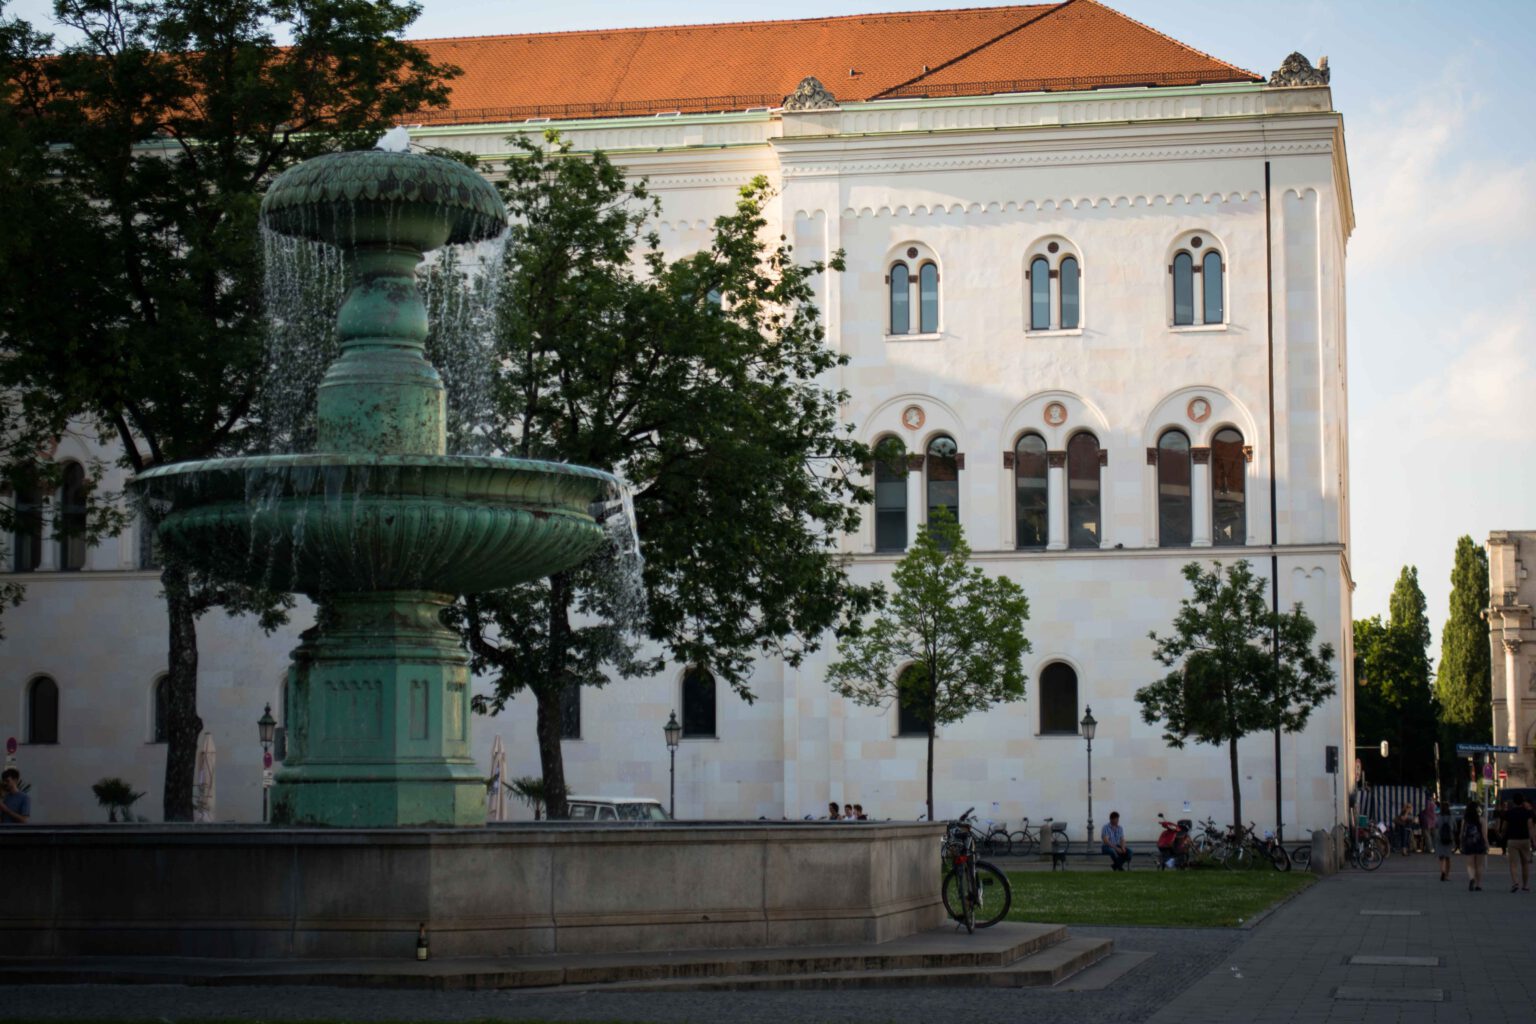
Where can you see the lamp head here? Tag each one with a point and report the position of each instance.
(673, 730)
(267, 725)
(1089, 724)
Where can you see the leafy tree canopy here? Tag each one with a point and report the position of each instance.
(949, 642)
(1463, 683)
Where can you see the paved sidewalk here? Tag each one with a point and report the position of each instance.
(1397, 945)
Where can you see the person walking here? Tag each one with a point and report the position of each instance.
(1517, 842)
(1427, 819)
(15, 803)
(1445, 841)
(1472, 838)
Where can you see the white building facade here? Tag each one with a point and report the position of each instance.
(1512, 637)
(1108, 325)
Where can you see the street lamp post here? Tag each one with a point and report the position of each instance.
(267, 726)
(1090, 726)
(673, 730)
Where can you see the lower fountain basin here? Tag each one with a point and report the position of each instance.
(333, 523)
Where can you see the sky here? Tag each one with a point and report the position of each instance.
(1442, 342)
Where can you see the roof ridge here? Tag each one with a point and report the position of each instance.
(973, 50)
(870, 16)
(1171, 39)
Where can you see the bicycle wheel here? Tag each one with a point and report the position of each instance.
(954, 893)
(994, 895)
(1022, 842)
(1301, 856)
(996, 844)
(1279, 859)
(1370, 857)
(972, 896)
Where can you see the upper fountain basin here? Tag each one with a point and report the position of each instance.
(334, 523)
(372, 197)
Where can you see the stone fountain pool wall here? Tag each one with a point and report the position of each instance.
(206, 891)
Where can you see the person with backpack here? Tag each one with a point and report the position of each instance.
(1473, 840)
(1445, 840)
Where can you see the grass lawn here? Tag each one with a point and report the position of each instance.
(1189, 898)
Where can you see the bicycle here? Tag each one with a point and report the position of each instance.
(1364, 852)
(975, 893)
(995, 842)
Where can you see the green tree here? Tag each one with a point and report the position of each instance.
(1394, 699)
(949, 642)
(1464, 679)
(1238, 667)
(697, 382)
(137, 302)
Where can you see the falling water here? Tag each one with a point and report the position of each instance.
(304, 285)
(462, 287)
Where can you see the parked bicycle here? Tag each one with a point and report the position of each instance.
(975, 893)
(1364, 852)
(1026, 840)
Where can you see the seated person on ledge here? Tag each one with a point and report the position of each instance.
(1113, 838)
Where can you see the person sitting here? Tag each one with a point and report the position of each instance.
(1113, 838)
(1402, 830)
(832, 814)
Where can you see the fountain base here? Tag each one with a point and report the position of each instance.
(378, 718)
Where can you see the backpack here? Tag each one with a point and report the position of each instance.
(1446, 833)
(1472, 836)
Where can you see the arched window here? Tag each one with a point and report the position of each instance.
(1211, 287)
(1183, 289)
(698, 702)
(901, 299)
(1084, 529)
(70, 526)
(928, 298)
(910, 720)
(570, 712)
(1031, 502)
(1039, 294)
(1175, 509)
(160, 699)
(1229, 497)
(43, 711)
(27, 541)
(943, 476)
(1058, 699)
(1069, 293)
(891, 502)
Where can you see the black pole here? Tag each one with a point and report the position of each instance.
(1274, 504)
(672, 784)
(1090, 794)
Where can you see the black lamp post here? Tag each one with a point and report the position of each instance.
(267, 726)
(1089, 726)
(674, 732)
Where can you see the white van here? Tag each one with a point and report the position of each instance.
(616, 808)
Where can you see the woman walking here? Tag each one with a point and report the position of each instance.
(1473, 840)
(1445, 840)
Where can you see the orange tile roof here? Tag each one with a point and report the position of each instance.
(1079, 44)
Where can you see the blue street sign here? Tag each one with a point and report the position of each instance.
(1484, 748)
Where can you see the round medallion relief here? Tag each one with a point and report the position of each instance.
(1199, 410)
(912, 417)
(1055, 414)
(912, 252)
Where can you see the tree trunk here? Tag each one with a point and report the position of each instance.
(183, 727)
(547, 692)
(931, 731)
(1237, 789)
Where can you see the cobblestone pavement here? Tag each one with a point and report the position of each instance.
(1182, 956)
(1473, 953)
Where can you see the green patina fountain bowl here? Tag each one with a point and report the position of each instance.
(333, 523)
(377, 197)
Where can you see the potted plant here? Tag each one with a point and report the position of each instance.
(116, 796)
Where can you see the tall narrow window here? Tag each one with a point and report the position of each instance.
(911, 719)
(1183, 289)
(1229, 498)
(943, 476)
(161, 695)
(698, 702)
(43, 711)
(1069, 293)
(149, 544)
(1175, 509)
(1211, 287)
(891, 503)
(70, 526)
(27, 541)
(1058, 699)
(1039, 294)
(1084, 530)
(928, 298)
(570, 713)
(1031, 503)
(901, 299)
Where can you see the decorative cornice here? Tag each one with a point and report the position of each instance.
(1056, 460)
(1200, 456)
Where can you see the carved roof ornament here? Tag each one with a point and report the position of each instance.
(810, 94)
(1297, 70)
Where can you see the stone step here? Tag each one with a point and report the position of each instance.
(1042, 969)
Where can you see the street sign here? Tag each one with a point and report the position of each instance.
(266, 779)
(1463, 749)
(1503, 775)
(1488, 771)
(10, 746)
(266, 759)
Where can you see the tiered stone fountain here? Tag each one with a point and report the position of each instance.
(379, 526)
